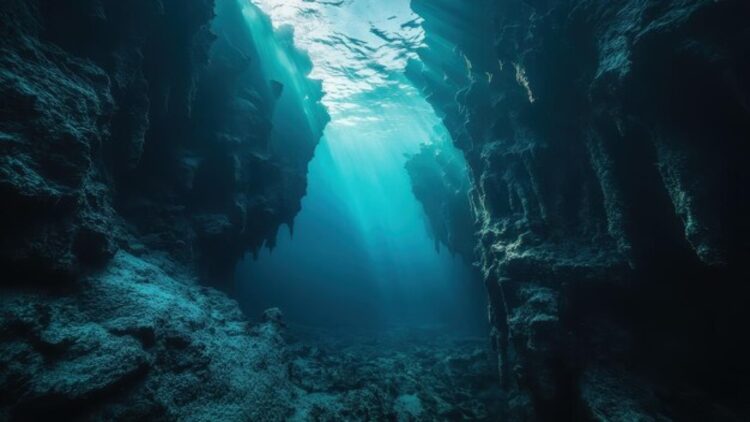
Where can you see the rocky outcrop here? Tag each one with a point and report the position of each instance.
(440, 183)
(116, 123)
(135, 343)
(605, 142)
(53, 119)
(222, 180)
(138, 160)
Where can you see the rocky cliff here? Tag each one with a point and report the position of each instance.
(122, 119)
(138, 158)
(606, 143)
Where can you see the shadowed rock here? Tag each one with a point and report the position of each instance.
(605, 142)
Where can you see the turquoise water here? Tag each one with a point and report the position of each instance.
(360, 251)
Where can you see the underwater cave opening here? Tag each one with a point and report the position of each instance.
(361, 253)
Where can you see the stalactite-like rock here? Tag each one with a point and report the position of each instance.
(606, 143)
(440, 183)
(132, 170)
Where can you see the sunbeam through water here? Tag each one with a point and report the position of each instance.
(361, 251)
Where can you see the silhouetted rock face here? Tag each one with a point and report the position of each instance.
(129, 166)
(114, 125)
(53, 118)
(607, 144)
(440, 183)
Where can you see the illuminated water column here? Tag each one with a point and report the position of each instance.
(361, 246)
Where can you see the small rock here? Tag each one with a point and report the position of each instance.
(408, 407)
(274, 316)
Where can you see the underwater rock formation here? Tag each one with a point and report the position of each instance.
(137, 157)
(114, 122)
(606, 143)
(439, 182)
(134, 343)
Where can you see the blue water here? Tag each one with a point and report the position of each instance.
(360, 252)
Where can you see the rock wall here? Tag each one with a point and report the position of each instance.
(138, 160)
(116, 125)
(136, 343)
(606, 143)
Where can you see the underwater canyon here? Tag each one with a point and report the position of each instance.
(324, 210)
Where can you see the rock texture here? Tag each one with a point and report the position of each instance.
(134, 343)
(606, 143)
(115, 122)
(137, 158)
(402, 374)
(440, 183)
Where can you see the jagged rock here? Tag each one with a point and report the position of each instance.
(126, 115)
(130, 164)
(137, 335)
(606, 156)
(606, 143)
(53, 118)
(440, 183)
